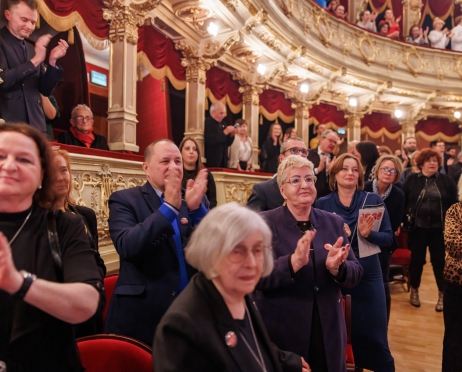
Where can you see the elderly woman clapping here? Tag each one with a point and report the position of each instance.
(214, 325)
(300, 301)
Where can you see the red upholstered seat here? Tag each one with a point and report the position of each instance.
(109, 285)
(402, 257)
(104, 353)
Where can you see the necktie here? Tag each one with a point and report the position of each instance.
(325, 164)
(23, 46)
(180, 252)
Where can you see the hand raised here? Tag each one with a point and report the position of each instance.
(398, 19)
(229, 130)
(331, 163)
(41, 49)
(10, 278)
(322, 163)
(301, 255)
(365, 225)
(58, 52)
(337, 254)
(172, 193)
(195, 190)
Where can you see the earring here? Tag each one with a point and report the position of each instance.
(40, 187)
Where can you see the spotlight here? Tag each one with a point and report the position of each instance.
(212, 29)
(261, 69)
(457, 114)
(399, 114)
(353, 101)
(304, 88)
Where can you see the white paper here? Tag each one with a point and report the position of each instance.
(367, 249)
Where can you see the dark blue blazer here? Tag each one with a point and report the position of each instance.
(23, 82)
(286, 301)
(265, 196)
(149, 270)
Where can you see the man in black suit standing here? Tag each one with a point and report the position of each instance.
(21, 68)
(440, 147)
(266, 195)
(217, 137)
(322, 158)
(455, 170)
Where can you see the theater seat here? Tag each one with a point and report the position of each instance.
(109, 285)
(104, 353)
(401, 258)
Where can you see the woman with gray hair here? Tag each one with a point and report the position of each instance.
(300, 301)
(214, 325)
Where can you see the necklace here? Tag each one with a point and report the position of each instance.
(19, 230)
(259, 359)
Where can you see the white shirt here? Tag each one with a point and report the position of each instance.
(456, 40)
(438, 39)
(245, 151)
(368, 26)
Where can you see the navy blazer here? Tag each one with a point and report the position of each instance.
(322, 182)
(286, 301)
(149, 270)
(23, 82)
(265, 196)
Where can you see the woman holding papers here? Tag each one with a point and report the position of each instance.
(387, 172)
(369, 228)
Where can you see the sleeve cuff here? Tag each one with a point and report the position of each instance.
(169, 213)
(198, 214)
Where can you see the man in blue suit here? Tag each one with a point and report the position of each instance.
(22, 72)
(150, 226)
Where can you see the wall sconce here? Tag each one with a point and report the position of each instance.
(353, 101)
(212, 29)
(304, 88)
(261, 69)
(398, 114)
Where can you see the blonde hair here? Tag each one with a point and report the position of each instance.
(292, 161)
(437, 20)
(395, 160)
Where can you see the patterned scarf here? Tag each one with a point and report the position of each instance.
(375, 188)
(87, 139)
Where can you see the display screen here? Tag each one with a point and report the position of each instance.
(98, 78)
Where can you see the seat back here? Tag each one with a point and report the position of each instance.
(114, 353)
(109, 285)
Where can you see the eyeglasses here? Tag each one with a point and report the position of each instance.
(297, 180)
(296, 151)
(240, 254)
(388, 170)
(82, 118)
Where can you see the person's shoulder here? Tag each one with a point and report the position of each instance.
(372, 197)
(325, 215)
(396, 190)
(368, 186)
(264, 184)
(64, 136)
(272, 213)
(126, 193)
(85, 211)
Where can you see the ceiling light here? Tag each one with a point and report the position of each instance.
(457, 114)
(261, 69)
(212, 29)
(304, 88)
(353, 101)
(399, 114)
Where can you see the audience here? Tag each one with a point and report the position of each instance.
(452, 345)
(266, 195)
(81, 131)
(217, 137)
(439, 37)
(384, 28)
(387, 172)
(241, 151)
(51, 111)
(384, 150)
(340, 12)
(214, 325)
(397, 153)
(418, 36)
(440, 148)
(409, 147)
(369, 313)
(270, 149)
(394, 31)
(456, 40)
(149, 225)
(332, 5)
(367, 154)
(43, 291)
(367, 20)
(314, 142)
(313, 261)
(192, 165)
(427, 197)
(455, 170)
(289, 132)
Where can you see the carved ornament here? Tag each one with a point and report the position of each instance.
(250, 7)
(458, 65)
(238, 192)
(313, 68)
(271, 41)
(236, 39)
(231, 4)
(413, 61)
(250, 94)
(366, 47)
(323, 26)
(193, 11)
(196, 66)
(258, 19)
(246, 54)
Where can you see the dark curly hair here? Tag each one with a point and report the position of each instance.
(425, 155)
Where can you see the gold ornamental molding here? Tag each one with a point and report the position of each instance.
(322, 25)
(458, 64)
(273, 42)
(413, 61)
(366, 47)
(257, 20)
(246, 54)
(124, 20)
(238, 192)
(193, 11)
(231, 4)
(236, 39)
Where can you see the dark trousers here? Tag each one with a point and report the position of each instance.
(418, 240)
(452, 342)
(385, 261)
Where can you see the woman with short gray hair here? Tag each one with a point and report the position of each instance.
(214, 325)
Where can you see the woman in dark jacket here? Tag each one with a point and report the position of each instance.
(368, 155)
(387, 172)
(270, 149)
(427, 196)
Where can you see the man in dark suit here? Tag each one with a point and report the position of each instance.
(409, 147)
(323, 158)
(440, 147)
(21, 67)
(455, 170)
(266, 195)
(217, 137)
(150, 226)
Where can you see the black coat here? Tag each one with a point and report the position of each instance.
(322, 182)
(216, 143)
(67, 138)
(265, 196)
(455, 171)
(191, 335)
(23, 82)
(270, 156)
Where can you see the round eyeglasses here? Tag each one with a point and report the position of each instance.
(388, 170)
(297, 151)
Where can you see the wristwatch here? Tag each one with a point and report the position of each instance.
(27, 282)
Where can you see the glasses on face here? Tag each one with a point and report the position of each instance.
(297, 180)
(388, 170)
(240, 254)
(82, 118)
(297, 151)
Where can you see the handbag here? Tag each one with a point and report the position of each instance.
(409, 217)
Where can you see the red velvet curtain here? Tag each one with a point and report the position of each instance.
(221, 84)
(438, 8)
(377, 121)
(91, 12)
(433, 126)
(325, 113)
(273, 101)
(160, 51)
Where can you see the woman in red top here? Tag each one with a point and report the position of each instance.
(394, 30)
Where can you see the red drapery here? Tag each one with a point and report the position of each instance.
(380, 6)
(274, 105)
(438, 8)
(221, 87)
(377, 121)
(438, 128)
(328, 114)
(160, 51)
(91, 11)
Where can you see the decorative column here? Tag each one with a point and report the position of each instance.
(354, 8)
(196, 69)
(302, 114)
(407, 129)
(124, 18)
(354, 126)
(412, 12)
(250, 106)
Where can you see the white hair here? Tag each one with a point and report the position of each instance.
(219, 232)
(292, 161)
(81, 106)
(217, 105)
